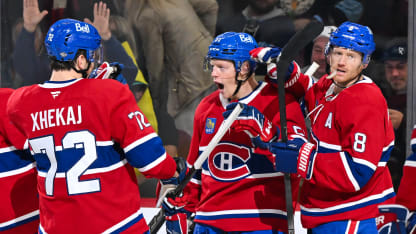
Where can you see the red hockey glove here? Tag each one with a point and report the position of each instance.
(167, 185)
(175, 214)
(265, 54)
(177, 218)
(306, 159)
(109, 71)
(292, 74)
(253, 122)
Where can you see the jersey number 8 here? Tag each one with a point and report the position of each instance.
(359, 142)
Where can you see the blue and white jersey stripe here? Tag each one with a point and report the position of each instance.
(241, 213)
(367, 201)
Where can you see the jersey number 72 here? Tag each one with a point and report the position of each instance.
(46, 145)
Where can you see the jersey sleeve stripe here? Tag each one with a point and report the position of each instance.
(361, 170)
(370, 200)
(365, 163)
(410, 163)
(389, 146)
(330, 146)
(132, 219)
(152, 164)
(139, 142)
(13, 161)
(7, 149)
(349, 172)
(18, 171)
(200, 215)
(19, 220)
(147, 155)
(295, 136)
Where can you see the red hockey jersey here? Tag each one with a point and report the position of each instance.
(348, 177)
(238, 188)
(84, 135)
(407, 188)
(19, 212)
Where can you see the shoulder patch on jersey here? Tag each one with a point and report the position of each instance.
(210, 125)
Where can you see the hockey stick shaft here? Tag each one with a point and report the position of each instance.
(158, 220)
(288, 54)
(312, 69)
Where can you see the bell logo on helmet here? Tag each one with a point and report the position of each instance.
(80, 28)
(245, 38)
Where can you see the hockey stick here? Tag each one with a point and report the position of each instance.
(159, 218)
(288, 54)
(312, 69)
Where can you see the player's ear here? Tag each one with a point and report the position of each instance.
(244, 70)
(81, 62)
(364, 65)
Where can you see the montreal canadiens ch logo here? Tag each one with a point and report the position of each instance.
(227, 162)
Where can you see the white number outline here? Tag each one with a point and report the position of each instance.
(46, 145)
(359, 144)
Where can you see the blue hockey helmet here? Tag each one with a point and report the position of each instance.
(355, 37)
(233, 46)
(65, 37)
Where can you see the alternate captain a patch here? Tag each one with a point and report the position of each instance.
(210, 125)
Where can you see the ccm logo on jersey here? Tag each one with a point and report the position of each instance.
(227, 162)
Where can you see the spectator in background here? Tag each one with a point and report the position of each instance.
(37, 38)
(122, 30)
(260, 19)
(318, 52)
(395, 67)
(175, 36)
(33, 68)
(162, 123)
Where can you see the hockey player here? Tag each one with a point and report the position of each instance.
(85, 135)
(344, 167)
(237, 189)
(400, 218)
(18, 197)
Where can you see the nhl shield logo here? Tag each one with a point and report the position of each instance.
(210, 125)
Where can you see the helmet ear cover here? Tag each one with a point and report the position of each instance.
(355, 37)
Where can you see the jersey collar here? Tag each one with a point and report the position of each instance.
(58, 84)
